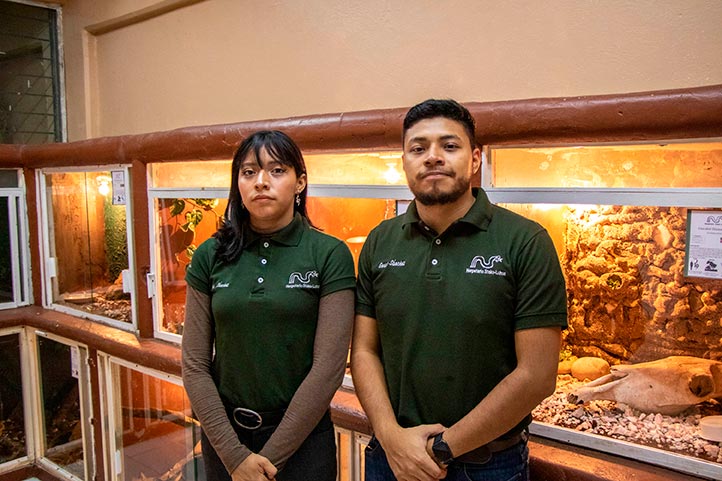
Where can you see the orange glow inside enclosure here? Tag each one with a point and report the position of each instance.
(632, 166)
(369, 168)
(349, 219)
(184, 175)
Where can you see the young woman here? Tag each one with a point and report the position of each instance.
(269, 312)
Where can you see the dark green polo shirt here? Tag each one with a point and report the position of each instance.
(447, 306)
(265, 309)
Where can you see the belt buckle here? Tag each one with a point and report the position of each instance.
(247, 415)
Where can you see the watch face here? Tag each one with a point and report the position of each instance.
(441, 450)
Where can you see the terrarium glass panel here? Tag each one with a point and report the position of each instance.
(89, 243)
(8, 178)
(641, 360)
(156, 435)
(12, 423)
(349, 219)
(368, 168)
(60, 397)
(6, 264)
(198, 174)
(183, 225)
(680, 165)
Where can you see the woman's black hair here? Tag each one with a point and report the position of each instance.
(281, 148)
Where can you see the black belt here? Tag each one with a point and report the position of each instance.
(251, 420)
(483, 453)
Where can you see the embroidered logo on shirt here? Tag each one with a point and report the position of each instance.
(392, 263)
(482, 265)
(309, 280)
(220, 285)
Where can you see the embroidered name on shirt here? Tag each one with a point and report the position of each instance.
(482, 265)
(220, 285)
(309, 280)
(392, 263)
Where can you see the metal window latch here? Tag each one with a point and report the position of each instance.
(150, 282)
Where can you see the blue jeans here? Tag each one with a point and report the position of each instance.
(511, 464)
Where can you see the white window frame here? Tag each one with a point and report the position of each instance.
(362, 191)
(19, 244)
(47, 264)
(153, 277)
(62, 115)
(110, 397)
(35, 418)
(657, 197)
(27, 393)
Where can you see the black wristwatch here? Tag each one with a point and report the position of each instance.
(441, 450)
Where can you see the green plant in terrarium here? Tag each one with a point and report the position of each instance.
(192, 212)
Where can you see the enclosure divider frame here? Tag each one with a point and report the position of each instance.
(360, 191)
(110, 391)
(18, 236)
(86, 412)
(46, 231)
(24, 239)
(29, 439)
(659, 457)
(664, 197)
(155, 290)
(353, 445)
(682, 197)
(31, 387)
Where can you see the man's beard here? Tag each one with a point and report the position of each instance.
(435, 196)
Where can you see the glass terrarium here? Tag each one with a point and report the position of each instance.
(349, 194)
(188, 200)
(65, 406)
(14, 269)
(12, 417)
(87, 250)
(640, 371)
(152, 430)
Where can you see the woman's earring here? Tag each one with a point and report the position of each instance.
(298, 199)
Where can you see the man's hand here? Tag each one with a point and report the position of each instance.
(254, 468)
(407, 453)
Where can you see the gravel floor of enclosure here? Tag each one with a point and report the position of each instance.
(678, 434)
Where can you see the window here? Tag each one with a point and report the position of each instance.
(14, 268)
(30, 78)
(65, 443)
(187, 201)
(349, 194)
(618, 216)
(12, 408)
(149, 429)
(86, 236)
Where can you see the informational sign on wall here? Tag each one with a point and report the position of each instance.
(704, 244)
(118, 187)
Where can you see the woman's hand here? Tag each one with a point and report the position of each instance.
(254, 468)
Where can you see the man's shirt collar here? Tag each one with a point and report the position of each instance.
(478, 216)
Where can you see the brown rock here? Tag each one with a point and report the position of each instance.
(590, 368)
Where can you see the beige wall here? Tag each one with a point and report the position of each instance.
(221, 61)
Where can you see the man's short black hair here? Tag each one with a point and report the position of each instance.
(447, 108)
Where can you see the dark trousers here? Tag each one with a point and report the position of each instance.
(314, 460)
(511, 464)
